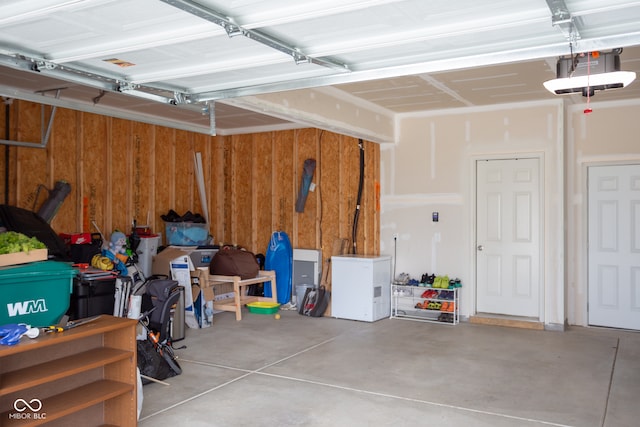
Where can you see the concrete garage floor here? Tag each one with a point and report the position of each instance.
(300, 371)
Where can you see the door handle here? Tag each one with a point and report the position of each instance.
(480, 247)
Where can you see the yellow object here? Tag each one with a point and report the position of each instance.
(277, 316)
(101, 262)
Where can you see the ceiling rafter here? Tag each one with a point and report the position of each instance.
(301, 11)
(233, 29)
(460, 61)
(562, 19)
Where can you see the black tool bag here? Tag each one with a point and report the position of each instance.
(151, 363)
(85, 252)
(234, 262)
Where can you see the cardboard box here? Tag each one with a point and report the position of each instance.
(23, 257)
(199, 276)
(161, 262)
(177, 262)
(174, 262)
(200, 257)
(202, 298)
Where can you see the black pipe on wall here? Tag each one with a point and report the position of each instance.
(354, 233)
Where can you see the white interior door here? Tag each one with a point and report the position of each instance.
(614, 246)
(508, 237)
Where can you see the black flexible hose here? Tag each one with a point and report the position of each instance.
(360, 185)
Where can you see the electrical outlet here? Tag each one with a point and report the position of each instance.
(395, 236)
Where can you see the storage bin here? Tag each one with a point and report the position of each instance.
(187, 233)
(92, 297)
(263, 307)
(37, 293)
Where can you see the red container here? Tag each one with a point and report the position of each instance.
(76, 238)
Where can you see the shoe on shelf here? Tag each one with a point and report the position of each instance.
(402, 279)
(429, 293)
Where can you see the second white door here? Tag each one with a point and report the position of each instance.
(614, 246)
(508, 237)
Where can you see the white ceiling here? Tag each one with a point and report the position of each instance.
(179, 62)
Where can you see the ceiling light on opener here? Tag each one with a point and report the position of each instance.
(579, 84)
(600, 71)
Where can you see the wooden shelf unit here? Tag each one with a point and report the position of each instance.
(84, 376)
(239, 289)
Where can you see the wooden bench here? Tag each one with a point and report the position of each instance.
(240, 298)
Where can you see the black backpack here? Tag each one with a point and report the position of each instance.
(151, 363)
(315, 302)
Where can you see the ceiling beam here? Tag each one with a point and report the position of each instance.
(461, 60)
(233, 29)
(90, 107)
(562, 19)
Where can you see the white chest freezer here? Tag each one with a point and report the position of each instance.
(361, 287)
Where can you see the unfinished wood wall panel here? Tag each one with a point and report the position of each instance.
(63, 151)
(348, 185)
(217, 203)
(262, 184)
(125, 170)
(243, 188)
(328, 190)
(163, 181)
(10, 153)
(142, 173)
(184, 177)
(373, 217)
(283, 178)
(305, 221)
(202, 145)
(368, 225)
(95, 180)
(32, 165)
(228, 185)
(121, 171)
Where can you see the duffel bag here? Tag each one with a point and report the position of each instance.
(234, 262)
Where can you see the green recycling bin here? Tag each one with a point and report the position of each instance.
(36, 293)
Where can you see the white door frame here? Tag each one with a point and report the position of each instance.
(543, 221)
(584, 215)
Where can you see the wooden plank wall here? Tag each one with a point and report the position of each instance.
(120, 170)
